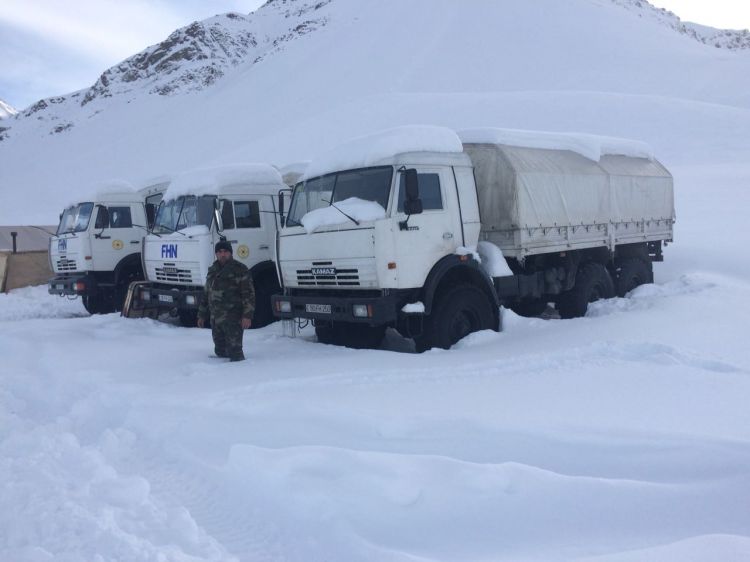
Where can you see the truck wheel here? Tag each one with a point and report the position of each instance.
(356, 336)
(188, 317)
(456, 314)
(592, 283)
(265, 286)
(631, 273)
(97, 303)
(529, 309)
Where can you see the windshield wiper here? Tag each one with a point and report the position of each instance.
(170, 229)
(147, 230)
(355, 221)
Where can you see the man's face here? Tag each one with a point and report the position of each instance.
(223, 256)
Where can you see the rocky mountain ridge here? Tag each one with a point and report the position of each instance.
(199, 55)
(730, 39)
(191, 59)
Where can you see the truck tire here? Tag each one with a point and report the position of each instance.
(458, 312)
(188, 317)
(356, 336)
(631, 273)
(265, 286)
(592, 283)
(529, 309)
(98, 303)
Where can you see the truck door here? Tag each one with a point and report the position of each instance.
(428, 236)
(252, 229)
(113, 236)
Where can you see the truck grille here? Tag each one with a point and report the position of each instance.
(173, 274)
(341, 278)
(66, 265)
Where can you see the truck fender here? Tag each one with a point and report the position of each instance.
(131, 262)
(262, 268)
(462, 269)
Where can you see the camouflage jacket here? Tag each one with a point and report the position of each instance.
(229, 291)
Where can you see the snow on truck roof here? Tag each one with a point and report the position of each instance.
(371, 150)
(383, 146)
(112, 191)
(253, 178)
(589, 146)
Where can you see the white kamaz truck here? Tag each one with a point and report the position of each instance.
(429, 232)
(234, 203)
(96, 252)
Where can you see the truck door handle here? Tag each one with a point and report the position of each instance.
(135, 241)
(447, 235)
(263, 247)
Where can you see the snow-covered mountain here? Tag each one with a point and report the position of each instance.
(6, 110)
(298, 76)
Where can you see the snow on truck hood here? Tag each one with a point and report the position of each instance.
(357, 209)
(589, 146)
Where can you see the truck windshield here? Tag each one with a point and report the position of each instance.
(75, 218)
(370, 184)
(183, 212)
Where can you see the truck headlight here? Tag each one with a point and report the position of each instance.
(283, 306)
(146, 295)
(190, 299)
(362, 310)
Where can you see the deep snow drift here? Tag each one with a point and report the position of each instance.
(623, 436)
(620, 437)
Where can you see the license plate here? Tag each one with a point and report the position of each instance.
(319, 308)
(59, 287)
(165, 298)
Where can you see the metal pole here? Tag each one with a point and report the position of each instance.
(13, 235)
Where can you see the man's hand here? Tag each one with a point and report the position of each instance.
(201, 322)
(246, 323)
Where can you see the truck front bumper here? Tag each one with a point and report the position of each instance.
(154, 297)
(71, 284)
(375, 311)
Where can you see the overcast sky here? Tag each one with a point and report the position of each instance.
(54, 47)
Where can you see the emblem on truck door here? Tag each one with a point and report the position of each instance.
(323, 271)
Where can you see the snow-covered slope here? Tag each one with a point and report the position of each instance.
(6, 110)
(300, 76)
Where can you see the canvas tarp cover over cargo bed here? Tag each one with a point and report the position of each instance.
(522, 188)
(530, 187)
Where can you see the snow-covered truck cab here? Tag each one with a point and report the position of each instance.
(95, 253)
(428, 232)
(357, 247)
(234, 203)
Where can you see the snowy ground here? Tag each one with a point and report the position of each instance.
(620, 437)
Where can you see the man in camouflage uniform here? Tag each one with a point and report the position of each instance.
(229, 297)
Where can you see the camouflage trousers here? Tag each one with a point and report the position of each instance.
(227, 334)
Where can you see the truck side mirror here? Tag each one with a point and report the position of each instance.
(412, 202)
(102, 217)
(281, 208)
(150, 215)
(219, 222)
(283, 193)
